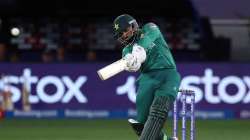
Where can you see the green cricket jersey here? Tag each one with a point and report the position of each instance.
(159, 76)
(157, 50)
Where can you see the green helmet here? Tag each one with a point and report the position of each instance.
(121, 24)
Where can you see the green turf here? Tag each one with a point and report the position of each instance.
(110, 130)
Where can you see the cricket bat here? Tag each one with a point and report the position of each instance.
(112, 69)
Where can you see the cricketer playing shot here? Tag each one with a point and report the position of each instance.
(146, 50)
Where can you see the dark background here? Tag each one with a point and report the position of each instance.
(78, 31)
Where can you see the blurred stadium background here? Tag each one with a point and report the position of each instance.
(50, 52)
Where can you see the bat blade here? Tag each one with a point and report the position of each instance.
(112, 69)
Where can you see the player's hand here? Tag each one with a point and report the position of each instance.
(131, 63)
(130, 59)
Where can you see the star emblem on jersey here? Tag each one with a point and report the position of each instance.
(116, 26)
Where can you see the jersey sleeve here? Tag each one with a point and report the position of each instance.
(150, 33)
(125, 51)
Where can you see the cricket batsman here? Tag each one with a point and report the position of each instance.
(146, 50)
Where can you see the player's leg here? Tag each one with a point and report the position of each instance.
(144, 99)
(170, 88)
(157, 117)
(162, 104)
(137, 126)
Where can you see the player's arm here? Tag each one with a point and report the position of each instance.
(139, 52)
(151, 33)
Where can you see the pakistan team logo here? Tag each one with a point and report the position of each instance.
(116, 26)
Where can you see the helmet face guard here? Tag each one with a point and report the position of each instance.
(123, 24)
(130, 39)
